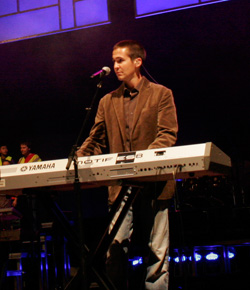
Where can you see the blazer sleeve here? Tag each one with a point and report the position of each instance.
(96, 143)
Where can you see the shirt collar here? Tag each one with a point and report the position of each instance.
(134, 92)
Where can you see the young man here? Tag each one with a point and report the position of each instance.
(25, 148)
(139, 115)
(27, 204)
(4, 154)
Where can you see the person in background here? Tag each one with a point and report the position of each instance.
(4, 154)
(27, 203)
(139, 115)
(6, 202)
(25, 148)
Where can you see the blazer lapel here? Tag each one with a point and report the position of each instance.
(143, 96)
(117, 99)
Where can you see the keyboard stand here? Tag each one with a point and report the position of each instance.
(92, 260)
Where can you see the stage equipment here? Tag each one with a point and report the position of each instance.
(129, 169)
(109, 169)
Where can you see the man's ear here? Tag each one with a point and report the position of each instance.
(138, 62)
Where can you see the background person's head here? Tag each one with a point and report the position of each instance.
(25, 148)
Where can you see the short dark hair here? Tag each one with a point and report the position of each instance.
(27, 143)
(135, 48)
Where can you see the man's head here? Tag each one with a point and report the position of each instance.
(128, 57)
(25, 148)
(3, 150)
(134, 48)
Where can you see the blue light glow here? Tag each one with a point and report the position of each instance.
(145, 11)
(53, 16)
(19, 25)
(67, 14)
(90, 12)
(14, 273)
(212, 256)
(149, 6)
(185, 258)
(27, 4)
(49, 238)
(37, 18)
(230, 255)
(197, 257)
(8, 6)
(136, 261)
(24, 255)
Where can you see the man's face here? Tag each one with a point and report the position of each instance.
(4, 150)
(25, 150)
(125, 68)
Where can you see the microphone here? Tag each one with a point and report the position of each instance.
(101, 73)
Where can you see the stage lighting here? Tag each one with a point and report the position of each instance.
(136, 261)
(183, 258)
(231, 253)
(14, 273)
(197, 257)
(212, 256)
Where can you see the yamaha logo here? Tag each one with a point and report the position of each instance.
(24, 168)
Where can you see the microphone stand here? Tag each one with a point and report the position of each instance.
(77, 189)
(72, 156)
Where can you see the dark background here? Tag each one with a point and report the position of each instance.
(202, 54)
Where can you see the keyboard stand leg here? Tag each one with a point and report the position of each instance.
(92, 260)
(127, 195)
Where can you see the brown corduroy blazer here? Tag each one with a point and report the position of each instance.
(154, 124)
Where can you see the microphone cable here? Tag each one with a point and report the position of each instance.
(146, 71)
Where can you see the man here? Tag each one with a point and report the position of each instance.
(4, 154)
(27, 204)
(139, 115)
(25, 148)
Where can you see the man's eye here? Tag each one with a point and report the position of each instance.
(119, 60)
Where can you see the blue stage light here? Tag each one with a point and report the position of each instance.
(183, 258)
(136, 261)
(212, 256)
(197, 257)
(14, 273)
(231, 253)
